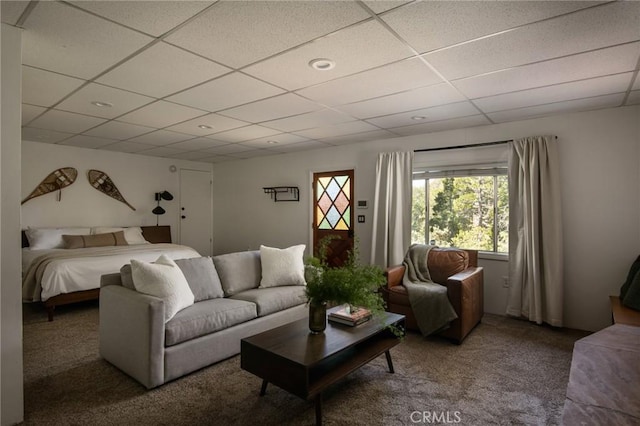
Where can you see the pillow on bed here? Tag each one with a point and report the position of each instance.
(165, 280)
(282, 266)
(133, 234)
(50, 238)
(97, 240)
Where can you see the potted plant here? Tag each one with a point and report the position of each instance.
(353, 283)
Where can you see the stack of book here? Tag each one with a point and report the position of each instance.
(350, 316)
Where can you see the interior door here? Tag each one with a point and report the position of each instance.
(196, 210)
(333, 213)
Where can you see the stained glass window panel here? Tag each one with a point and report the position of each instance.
(333, 200)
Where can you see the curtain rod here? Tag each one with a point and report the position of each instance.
(473, 145)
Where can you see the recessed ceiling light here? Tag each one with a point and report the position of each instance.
(322, 64)
(418, 117)
(272, 142)
(102, 104)
(204, 126)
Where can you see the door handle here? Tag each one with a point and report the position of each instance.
(184, 217)
(350, 233)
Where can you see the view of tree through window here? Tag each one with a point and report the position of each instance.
(469, 212)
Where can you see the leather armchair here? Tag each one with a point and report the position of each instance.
(455, 269)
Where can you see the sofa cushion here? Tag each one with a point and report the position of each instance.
(445, 262)
(165, 280)
(282, 266)
(202, 277)
(207, 317)
(635, 267)
(632, 295)
(238, 271)
(270, 300)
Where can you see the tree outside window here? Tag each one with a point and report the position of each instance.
(469, 212)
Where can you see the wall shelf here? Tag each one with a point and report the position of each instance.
(283, 193)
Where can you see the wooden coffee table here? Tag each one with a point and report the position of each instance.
(305, 364)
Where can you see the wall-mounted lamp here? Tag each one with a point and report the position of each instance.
(164, 195)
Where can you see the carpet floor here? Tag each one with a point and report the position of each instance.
(507, 372)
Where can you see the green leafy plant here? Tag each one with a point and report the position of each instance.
(353, 283)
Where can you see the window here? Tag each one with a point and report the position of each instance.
(464, 208)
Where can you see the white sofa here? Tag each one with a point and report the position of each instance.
(229, 305)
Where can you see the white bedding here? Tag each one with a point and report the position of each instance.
(83, 273)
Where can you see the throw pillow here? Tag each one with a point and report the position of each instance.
(97, 240)
(133, 234)
(202, 277)
(635, 267)
(282, 266)
(632, 296)
(238, 271)
(165, 280)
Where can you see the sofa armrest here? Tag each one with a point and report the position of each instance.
(132, 333)
(394, 275)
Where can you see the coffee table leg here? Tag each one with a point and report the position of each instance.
(319, 409)
(263, 389)
(389, 362)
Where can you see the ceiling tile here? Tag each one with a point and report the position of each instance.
(254, 153)
(45, 88)
(248, 30)
(43, 135)
(359, 137)
(636, 84)
(228, 149)
(634, 98)
(301, 146)
(161, 114)
(161, 152)
(60, 38)
(191, 156)
(353, 49)
(62, 121)
(130, 147)
(225, 92)
(152, 17)
(280, 140)
(561, 92)
(435, 24)
(578, 32)
(439, 126)
(598, 102)
(197, 144)
(244, 133)
(29, 112)
(84, 141)
(119, 130)
(217, 159)
(442, 112)
(160, 138)
(337, 130)
(425, 97)
(121, 101)
(215, 123)
(379, 6)
(12, 10)
(309, 120)
(577, 67)
(162, 70)
(272, 108)
(403, 75)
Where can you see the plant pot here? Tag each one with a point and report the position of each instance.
(317, 317)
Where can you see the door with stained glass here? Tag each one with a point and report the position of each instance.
(333, 213)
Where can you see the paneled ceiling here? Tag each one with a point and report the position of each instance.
(219, 81)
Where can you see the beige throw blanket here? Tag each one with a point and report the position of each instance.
(429, 300)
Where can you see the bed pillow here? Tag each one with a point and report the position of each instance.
(133, 234)
(282, 266)
(97, 240)
(165, 280)
(50, 238)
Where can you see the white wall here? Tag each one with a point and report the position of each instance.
(11, 382)
(137, 177)
(600, 161)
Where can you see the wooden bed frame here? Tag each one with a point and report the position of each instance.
(153, 234)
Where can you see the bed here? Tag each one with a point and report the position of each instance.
(59, 276)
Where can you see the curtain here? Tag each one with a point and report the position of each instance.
(392, 208)
(535, 231)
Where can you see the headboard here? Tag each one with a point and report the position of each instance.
(153, 234)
